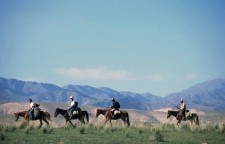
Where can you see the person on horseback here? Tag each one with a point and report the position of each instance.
(182, 108)
(73, 106)
(115, 106)
(31, 110)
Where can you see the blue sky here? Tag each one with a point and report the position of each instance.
(156, 46)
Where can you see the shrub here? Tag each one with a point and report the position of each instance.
(27, 131)
(1, 127)
(186, 127)
(113, 129)
(50, 130)
(222, 129)
(31, 127)
(44, 130)
(10, 128)
(168, 127)
(2, 137)
(158, 136)
(23, 125)
(106, 130)
(81, 130)
(101, 127)
(128, 135)
(140, 130)
(47, 130)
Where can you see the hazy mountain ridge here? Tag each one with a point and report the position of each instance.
(209, 94)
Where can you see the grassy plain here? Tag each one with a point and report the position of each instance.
(91, 134)
(146, 127)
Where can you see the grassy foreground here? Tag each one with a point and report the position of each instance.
(163, 133)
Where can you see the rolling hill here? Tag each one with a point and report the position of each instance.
(208, 95)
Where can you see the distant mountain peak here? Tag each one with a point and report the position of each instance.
(208, 94)
(206, 86)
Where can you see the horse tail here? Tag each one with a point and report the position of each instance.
(47, 115)
(128, 120)
(87, 116)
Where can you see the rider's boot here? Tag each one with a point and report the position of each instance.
(113, 117)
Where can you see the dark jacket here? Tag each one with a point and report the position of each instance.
(116, 105)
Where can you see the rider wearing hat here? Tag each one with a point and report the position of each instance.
(115, 106)
(73, 106)
(182, 108)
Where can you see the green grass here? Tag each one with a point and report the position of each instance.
(163, 133)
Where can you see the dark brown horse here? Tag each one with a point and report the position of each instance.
(193, 117)
(42, 116)
(64, 113)
(108, 115)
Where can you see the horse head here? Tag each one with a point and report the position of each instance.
(16, 116)
(97, 113)
(56, 112)
(169, 114)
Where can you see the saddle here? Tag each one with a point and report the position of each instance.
(117, 112)
(188, 113)
(75, 112)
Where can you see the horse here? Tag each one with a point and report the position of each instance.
(108, 115)
(65, 114)
(42, 116)
(193, 117)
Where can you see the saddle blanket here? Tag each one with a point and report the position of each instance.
(116, 112)
(75, 112)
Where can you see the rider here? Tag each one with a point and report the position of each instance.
(73, 106)
(182, 108)
(115, 106)
(31, 110)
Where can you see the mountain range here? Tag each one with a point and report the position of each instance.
(209, 94)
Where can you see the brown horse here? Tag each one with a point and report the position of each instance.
(43, 116)
(66, 116)
(193, 117)
(108, 115)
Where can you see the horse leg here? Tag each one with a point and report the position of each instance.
(46, 120)
(178, 122)
(72, 124)
(40, 123)
(196, 120)
(124, 120)
(110, 121)
(28, 120)
(66, 122)
(82, 120)
(105, 121)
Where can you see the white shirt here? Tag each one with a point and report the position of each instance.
(31, 104)
(72, 103)
(182, 106)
